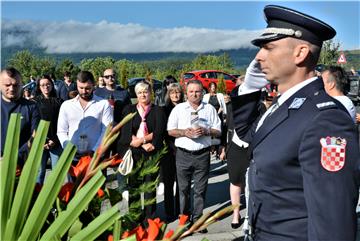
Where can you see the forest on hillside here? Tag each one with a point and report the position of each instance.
(37, 64)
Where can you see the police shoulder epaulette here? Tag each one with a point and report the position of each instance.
(326, 105)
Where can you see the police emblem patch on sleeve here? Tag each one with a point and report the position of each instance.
(297, 103)
(333, 153)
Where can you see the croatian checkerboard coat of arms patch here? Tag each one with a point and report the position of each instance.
(333, 153)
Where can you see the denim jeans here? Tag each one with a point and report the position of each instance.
(54, 155)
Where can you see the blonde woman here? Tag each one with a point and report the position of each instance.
(144, 134)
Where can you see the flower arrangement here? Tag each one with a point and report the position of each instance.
(57, 211)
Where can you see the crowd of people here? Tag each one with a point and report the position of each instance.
(279, 104)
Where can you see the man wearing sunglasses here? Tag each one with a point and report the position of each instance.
(117, 96)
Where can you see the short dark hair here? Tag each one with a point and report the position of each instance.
(12, 73)
(338, 75)
(169, 80)
(212, 83)
(52, 76)
(85, 76)
(195, 81)
(67, 74)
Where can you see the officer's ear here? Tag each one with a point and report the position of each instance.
(301, 53)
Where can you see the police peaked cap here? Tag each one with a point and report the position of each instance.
(285, 22)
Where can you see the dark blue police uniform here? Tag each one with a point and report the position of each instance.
(292, 196)
(303, 175)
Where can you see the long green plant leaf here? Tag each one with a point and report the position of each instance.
(98, 225)
(77, 204)
(131, 238)
(48, 194)
(117, 229)
(25, 188)
(8, 169)
(75, 228)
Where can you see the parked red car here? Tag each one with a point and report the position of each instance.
(208, 76)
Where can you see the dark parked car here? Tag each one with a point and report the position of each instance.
(354, 92)
(133, 81)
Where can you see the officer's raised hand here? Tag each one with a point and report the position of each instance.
(254, 77)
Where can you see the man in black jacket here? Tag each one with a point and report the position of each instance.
(13, 102)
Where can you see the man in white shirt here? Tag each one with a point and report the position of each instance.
(83, 119)
(193, 123)
(335, 82)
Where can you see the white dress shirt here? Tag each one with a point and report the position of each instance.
(348, 104)
(180, 118)
(91, 121)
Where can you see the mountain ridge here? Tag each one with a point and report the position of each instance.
(240, 57)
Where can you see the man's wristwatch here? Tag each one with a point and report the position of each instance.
(144, 141)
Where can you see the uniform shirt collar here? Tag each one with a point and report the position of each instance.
(294, 89)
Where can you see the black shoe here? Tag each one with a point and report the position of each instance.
(235, 225)
(203, 231)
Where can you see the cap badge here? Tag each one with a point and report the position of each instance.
(333, 153)
(298, 33)
(297, 103)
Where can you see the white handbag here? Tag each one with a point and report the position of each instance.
(126, 165)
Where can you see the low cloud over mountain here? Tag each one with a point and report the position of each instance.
(80, 37)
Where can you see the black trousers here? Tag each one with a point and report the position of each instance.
(190, 166)
(168, 177)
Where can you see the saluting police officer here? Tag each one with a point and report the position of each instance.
(303, 175)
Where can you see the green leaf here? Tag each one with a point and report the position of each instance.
(48, 195)
(107, 131)
(131, 238)
(162, 231)
(114, 196)
(77, 204)
(75, 228)
(117, 228)
(25, 188)
(98, 225)
(8, 169)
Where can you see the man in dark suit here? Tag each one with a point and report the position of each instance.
(304, 169)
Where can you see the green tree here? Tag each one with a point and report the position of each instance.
(43, 65)
(97, 66)
(67, 65)
(221, 88)
(23, 62)
(226, 63)
(329, 53)
(202, 62)
(122, 66)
